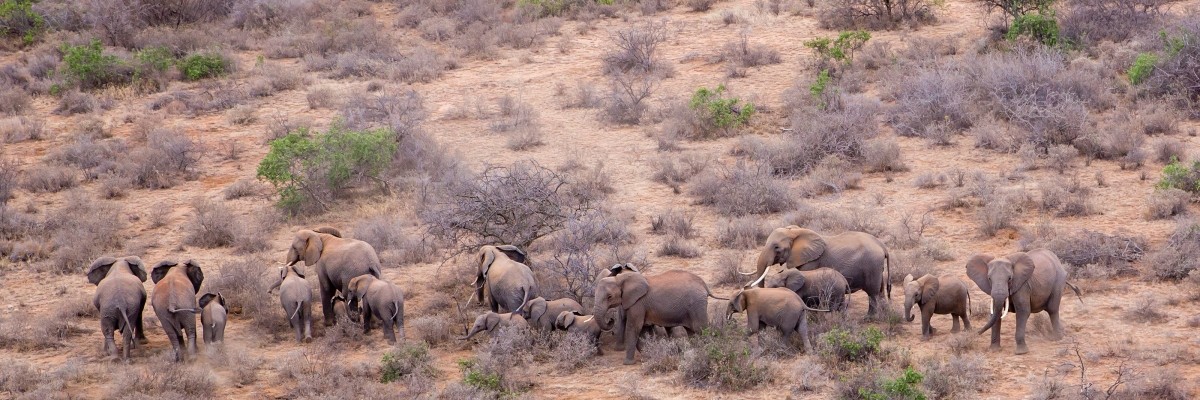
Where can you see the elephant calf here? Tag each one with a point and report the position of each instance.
(120, 298)
(491, 320)
(821, 287)
(174, 302)
(296, 297)
(380, 299)
(937, 295)
(777, 307)
(575, 323)
(542, 313)
(212, 316)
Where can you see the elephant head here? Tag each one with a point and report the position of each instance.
(788, 278)
(623, 290)
(1000, 277)
(329, 230)
(487, 256)
(534, 308)
(485, 322)
(190, 267)
(919, 292)
(283, 273)
(567, 318)
(103, 265)
(209, 297)
(356, 289)
(737, 304)
(791, 246)
(307, 246)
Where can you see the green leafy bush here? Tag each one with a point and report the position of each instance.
(310, 169)
(155, 58)
(86, 65)
(479, 379)
(840, 49)
(1181, 176)
(904, 387)
(720, 112)
(410, 359)
(1142, 67)
(205, 65)
(1040, 26)
(846, 346)
(19, 19)
(818, 88)
(721, 358)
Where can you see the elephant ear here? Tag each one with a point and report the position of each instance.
(537, 308)
(795, 281)
(207, 298)
(633, 288)
(486, 258)
(137, 267)
(738, 302)
(160, 270)
(329, 230)
(929, 288)
(513, 252)
(977, 270)
(491, 320)
(295, 271)
(220, 299)
(807, 246)
(566, 319)
(99, 269)
(1022, 270)
(313, 247)
(194, 274)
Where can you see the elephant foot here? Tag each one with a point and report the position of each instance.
(995, 346)
(932, 331)
(1021, 349)
(628, 361)
(143, 340)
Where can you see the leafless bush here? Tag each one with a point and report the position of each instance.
(729, 266)
(1167, 149)
(626, 102)
(585, 97)
(573, 351)
(315, 377)
(587, 245)
(678, 223)
(743, 233)
(842, 129)
(437, 29)
(996, 214)
(77, 102)
(242, 115)
(432, 329)
(1175, 259)
(832, 175)
(421, 64)
(700, 5)
(934, 103)
(957, 376)
(48, 179)
(636, 51)
(20, 129)
(661, 354)
(401, 111)
(742, 54)
(244, 283)
(1114, 254)
(476, 42)
(1146, 310)
(876, 14)
(1167, 203)
(1159, 120)
(13, 100)
(242, 188)
(82, 230)
(169, 380)
(1088, 22)
(743, 189)
(211, 225)
(929, 180)
(910, 230)
(880, 155)
(513, 114)
(168, 156)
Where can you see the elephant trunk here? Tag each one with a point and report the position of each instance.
(605, 323)
(292, 257)
(470, 334)
(908, 305)
(765, 258)
(998, 303)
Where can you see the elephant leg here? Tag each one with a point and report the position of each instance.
(955, 318)
(189, 326)
(619, 330)
(633, 325)
(108, 327)
(366, 316)
(307, 320)
(296, 322)
(803, 331)
(140, 331)
(926, 325)
(1057, 323)
(1022, 318)
(965, 316)
(173, 334)
(327, 298)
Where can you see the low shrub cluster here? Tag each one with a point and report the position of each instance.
(721, 358)
(1175, 259)
(743, 189)
(311, 169)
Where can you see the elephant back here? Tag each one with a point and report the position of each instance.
(685, 288)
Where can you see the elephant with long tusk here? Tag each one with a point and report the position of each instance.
(1023, 283)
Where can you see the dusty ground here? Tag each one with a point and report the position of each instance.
(628, 153)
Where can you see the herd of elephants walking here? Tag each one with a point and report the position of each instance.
(818, 272)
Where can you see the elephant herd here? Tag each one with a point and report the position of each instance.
(818, 271)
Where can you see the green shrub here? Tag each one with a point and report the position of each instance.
(1142, 67)
(721, 358)
(206, 65)
(86, 65)
(479, 379)
(1040, 26)
(841, 49)
(1178, 175)
(846, 346)
(155, 58)
(18, 19)
(308, 168)
(904, 387)
(818, 88)
(720, 112)
(410, 359)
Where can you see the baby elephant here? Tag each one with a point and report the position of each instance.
(821, 287)
(777, 307)
(542, 313)
(937, 295)
(490, 321)
(378, 298)
(576, 323)
(296, 297)
(340, 311)
(212, 316)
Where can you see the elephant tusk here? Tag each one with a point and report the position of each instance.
(760, 278)
(589, 319)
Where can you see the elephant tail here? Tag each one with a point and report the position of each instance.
(887, 264)
(395, 304)
(710, 294)
(1076, 290)
(298, 305)
(128, 326)
(182, 310)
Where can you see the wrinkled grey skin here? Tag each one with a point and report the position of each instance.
(174, 302)
(213, 316)
(670, 299)
(490, 321)
(937, 295)
(860, 257)
(541, 313)
(120, 298)
(296, 297)
(380, 299)
(819, 288)
(503, 275)
(337, 261)
(777, 307)
(342, 311)
(1029, 282)
(575, 323)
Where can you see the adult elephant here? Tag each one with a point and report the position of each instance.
(507, 280)
(1029, 282)
(670, 299)
(120, 299)
(174, 302)
(337, 260)
(858, 256)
